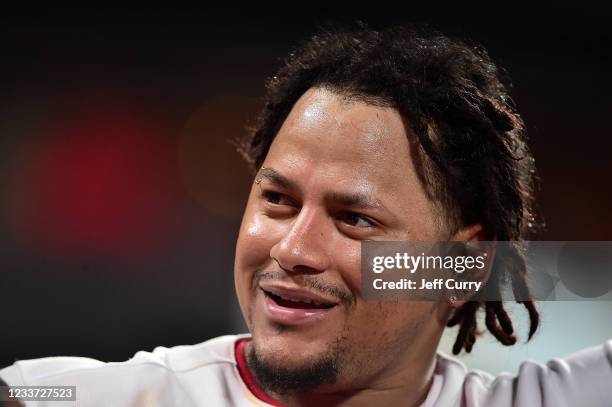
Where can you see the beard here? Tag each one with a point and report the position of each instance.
(284, 380)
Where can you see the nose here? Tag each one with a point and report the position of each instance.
(304, 245)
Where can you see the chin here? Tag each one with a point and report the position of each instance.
(285, 366)
(284, 347)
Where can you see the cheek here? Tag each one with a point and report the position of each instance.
(252, 252)
(347, 255)
(391, 324)
(258, 234)
(252, 238)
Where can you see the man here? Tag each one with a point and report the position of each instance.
(365, 135)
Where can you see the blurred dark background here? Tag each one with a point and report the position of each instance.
(120, 197)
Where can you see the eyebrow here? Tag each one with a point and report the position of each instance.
(273, 176)
(354, 200)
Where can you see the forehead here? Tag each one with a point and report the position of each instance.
(326, 133)
(331, 146)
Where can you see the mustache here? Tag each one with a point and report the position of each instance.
(307, 281)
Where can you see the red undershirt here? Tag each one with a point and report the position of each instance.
(248, 378)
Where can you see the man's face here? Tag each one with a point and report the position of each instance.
(338, 172)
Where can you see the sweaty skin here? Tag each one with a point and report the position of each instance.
(339, 172)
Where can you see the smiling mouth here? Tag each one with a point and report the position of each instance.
(297, 304)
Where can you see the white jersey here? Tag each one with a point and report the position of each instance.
(207, 375)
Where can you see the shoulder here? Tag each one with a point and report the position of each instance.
(184, 358)
(166, 375)
(176, 359)
(583, 378)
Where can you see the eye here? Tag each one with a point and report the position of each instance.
(276, 198)
(356, 220)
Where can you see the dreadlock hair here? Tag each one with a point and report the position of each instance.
(471, 157)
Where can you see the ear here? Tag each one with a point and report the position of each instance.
(469, 233)
(473, 235)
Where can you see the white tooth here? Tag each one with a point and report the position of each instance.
(290, 299)
(306, 300)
